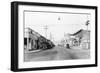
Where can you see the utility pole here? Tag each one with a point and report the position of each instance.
(87, 22)
(46, 28)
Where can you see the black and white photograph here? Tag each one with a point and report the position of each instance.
(56, 36)
(53, 36)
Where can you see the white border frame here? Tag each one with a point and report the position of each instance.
(22, 64)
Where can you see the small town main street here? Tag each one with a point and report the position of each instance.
(57, 53)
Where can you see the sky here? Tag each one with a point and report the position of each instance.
(57, 24)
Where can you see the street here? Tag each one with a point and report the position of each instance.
(57, 53)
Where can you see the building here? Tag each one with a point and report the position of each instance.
(34, 41)
(80, 39)
(30, 38)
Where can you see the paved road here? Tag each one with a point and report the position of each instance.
(57, 53)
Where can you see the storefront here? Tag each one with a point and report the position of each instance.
(34, 41)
